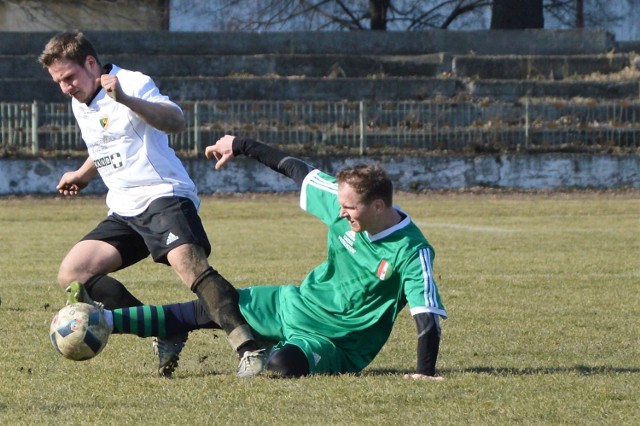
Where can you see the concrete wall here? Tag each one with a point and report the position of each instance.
(113, 15)
(544, 171)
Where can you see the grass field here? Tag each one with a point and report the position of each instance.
(542, 289)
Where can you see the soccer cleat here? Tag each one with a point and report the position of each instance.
(168, 350)
(76, 293)
(252, 363)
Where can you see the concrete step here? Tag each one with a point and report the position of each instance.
(529, 67)
(221, 88)
(184, 89)
(513, 90)
(27, 66)
(285, 65)
(512, 67)
(494, 42)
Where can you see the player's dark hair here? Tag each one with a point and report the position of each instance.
(370, 181)
(71, 45)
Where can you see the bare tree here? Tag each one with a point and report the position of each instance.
(396, 15)
(399, 15)
(581, 14)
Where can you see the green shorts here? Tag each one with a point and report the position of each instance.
(261, 306)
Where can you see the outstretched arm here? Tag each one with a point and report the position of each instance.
(229, 146)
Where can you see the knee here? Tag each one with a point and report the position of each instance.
(66, 276)
(288, 361)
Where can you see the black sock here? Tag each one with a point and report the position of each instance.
(110, 292)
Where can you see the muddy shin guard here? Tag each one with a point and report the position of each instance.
(220, 299)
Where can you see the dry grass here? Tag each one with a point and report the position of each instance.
(541, 288)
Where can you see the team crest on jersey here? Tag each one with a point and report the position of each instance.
(384, 270)
(104, 122)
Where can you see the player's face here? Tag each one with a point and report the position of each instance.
(361, 216)
(77, 81)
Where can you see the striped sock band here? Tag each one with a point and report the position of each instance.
(143, 321)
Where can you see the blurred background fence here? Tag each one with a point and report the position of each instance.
(356, 128)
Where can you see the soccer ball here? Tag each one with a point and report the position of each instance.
(79, 331)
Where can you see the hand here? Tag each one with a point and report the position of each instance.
(222, 150)
(418, 376)
(112, 86)
(70, 185)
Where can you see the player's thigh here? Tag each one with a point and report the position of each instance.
(260, 306)
(86, 259)
(169, 223)
(116, 232)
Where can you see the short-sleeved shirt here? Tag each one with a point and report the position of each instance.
(354, 297)
(133, 158)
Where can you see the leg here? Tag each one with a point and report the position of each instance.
(217, 295)
(111, 246)
(163, 320)
(169, 323)
(174, 235)
(86, 259)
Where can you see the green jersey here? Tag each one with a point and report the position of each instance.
(354, 297)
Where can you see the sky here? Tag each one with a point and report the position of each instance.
(190, 15)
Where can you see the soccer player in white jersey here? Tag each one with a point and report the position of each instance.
(152, 201)
(340, 316)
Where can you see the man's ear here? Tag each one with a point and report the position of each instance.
(378, 205)
(91, 62)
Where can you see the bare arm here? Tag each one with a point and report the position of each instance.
(71, 183)
(163, 116)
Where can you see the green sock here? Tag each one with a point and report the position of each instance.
(143, 321)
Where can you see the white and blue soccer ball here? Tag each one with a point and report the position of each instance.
(79, 331)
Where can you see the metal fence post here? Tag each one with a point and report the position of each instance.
(526, 122)
(196, 128)
(34, 128)
(363, 128)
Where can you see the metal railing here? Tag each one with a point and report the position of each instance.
(357, 127)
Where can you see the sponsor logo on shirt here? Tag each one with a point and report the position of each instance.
(114, 160)
(384, 270)
(347, 240)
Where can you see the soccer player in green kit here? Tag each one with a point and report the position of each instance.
(340, 316)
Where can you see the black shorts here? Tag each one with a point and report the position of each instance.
(167, 223)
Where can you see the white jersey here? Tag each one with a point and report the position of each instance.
(134, 159)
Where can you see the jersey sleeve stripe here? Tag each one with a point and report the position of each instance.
(314, 179)
(427, 273)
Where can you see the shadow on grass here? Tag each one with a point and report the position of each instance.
(584, 370)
